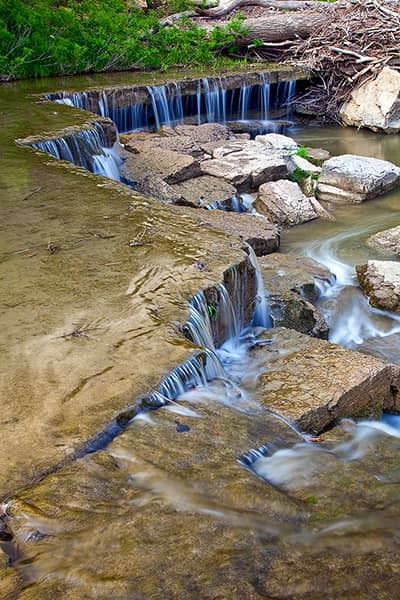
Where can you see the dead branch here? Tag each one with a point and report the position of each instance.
(225, 9)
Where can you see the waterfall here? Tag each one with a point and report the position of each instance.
(86, 148)
(262, 315)
(212, 101)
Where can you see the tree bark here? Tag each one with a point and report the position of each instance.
(226, 8)
(286, 26)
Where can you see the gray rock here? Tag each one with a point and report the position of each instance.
(205, 190)
(380, 280)
(305, 165)
(246, 164)
(283, 202)
(353, 179)
(317, 155)
(276, 141)
(376, 104)
(170, 166)
(387, 241)
(315, 384)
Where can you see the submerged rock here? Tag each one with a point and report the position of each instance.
(315, 384)
(246, 164)
(387, 241)
(283, 202)
(353, 179)
(380, 280)
(292, 283)
(375, 104)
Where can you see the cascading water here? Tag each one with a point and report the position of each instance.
(213, 102)
(86, 148)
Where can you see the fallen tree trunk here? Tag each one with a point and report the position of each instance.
(225, 9)
(283, 26)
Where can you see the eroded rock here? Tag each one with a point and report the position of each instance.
(283, 202)
(170, 166)
(380, 280)
(387, 241)
(205, 190)
(315, 384)
(353, 179)
(278, 142)
(376, 104)
(292, 284)
(245, 164)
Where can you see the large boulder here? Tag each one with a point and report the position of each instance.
(283, 202)
(205, 190)
(292, 284)
(246, 164)
(262, 235)
(353, 179)
(315, 384)
(387, 241)
(376, 104)
(380, 280)
(170, 166)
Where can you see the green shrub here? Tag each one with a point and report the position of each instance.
(41, 38)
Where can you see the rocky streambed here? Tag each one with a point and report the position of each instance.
(227, 490)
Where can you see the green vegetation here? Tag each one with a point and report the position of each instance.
(44, 37)
(302, 151)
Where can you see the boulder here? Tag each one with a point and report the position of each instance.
(315, 384)
(204, 190)
(170, 166)
(155, 187)
(262, 235)
(387, 241)
(353, 179)
(292, 284)
(380, 280)
(246, 164)
(375, 104)
(278, 142)
(283, 202)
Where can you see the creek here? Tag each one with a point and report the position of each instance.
(213, 495)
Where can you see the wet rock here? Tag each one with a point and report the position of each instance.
(204, 190)
(278, 142)
(315, 384)
(292, 284)
(253, 127)
(170, 166)
(262, 235)
(245, 164)
(387, 241)
(353, 179)
(376, 104)
(283, 202)
(155, 187)
(380, 280)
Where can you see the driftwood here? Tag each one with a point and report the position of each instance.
(225, 9)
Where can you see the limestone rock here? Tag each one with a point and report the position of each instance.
(352, 179)
(283, 202)
(376, 104)
(171, 166)
(155, 187)
(204, 190)
(246, 164)
(262, 235)
(317, 155)
(292, 284)
(380, 280)
(304, 165)
(276, 141)
(387, 241)
(315, 384)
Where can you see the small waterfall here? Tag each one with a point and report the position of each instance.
(244, 97)
(215, 101)
(262, 315)
(167, 106)
(86, 148)
(264, 98)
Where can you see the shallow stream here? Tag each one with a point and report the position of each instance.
(212, 496)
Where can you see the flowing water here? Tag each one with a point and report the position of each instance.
(212, 495)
